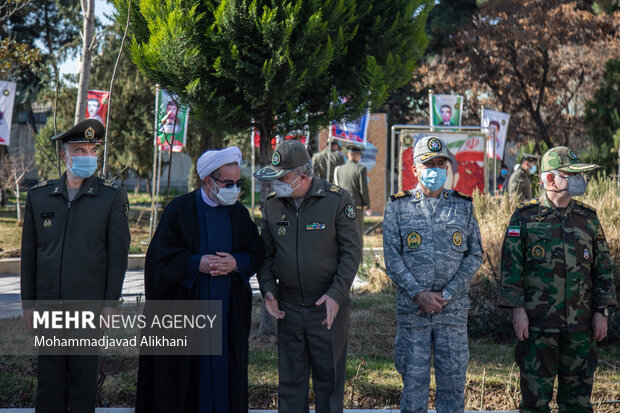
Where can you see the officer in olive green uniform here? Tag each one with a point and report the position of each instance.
(330, 154)
(312, 252)
(557, 277)
(352, 177)
(75, 243)
(519, 183)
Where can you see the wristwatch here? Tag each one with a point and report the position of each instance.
(603, 310)
(446, 295)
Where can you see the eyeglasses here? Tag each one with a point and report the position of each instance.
(228, 184)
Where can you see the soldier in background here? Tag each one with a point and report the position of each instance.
(557, 277)
(320, 160)
(432, 249)
(353, 177)
(519, 184)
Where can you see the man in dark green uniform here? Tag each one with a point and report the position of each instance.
(519, 184)
(353, 177)
(331, 154)
(312, 252)
(557, 277)
(75, 243)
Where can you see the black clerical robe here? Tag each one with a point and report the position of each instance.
(170, 383)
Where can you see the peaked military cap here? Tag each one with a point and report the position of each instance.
(287, 156)
(355, 148)
(562, 158)
(430, 147)
(86, 131)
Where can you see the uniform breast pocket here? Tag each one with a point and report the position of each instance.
(456, 237)
(539, 242)
(415, 239)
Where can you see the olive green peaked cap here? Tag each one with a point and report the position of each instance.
(287, 156)
(564, 159)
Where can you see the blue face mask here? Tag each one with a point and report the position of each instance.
(533, 169)
(434, 178)
(83, 166)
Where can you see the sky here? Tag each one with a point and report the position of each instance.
(102, 7)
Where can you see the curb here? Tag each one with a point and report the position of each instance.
(12, 266)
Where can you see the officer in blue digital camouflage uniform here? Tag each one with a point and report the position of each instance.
(432, 249)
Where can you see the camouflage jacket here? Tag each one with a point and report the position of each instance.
(428, 250)
(556, 264)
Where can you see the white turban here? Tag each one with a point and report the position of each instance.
(212, 160)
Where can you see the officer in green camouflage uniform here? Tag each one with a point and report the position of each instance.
(557, 277)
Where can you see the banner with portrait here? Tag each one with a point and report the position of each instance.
(497, 122)
(172, 123)
(7, 100)
(446, 110)
(354, 131)
(468, 150)
(97, 105)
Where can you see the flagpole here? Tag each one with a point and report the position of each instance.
(154, 180)
(430, 107)
(253, 187)
(486, 152)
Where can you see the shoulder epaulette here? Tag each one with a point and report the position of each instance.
(585, 206)
(329, 187)
(528, 204)
(400, 195)
(462, 195)
(42, 184)
(108, 183)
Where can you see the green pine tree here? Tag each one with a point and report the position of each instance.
(283, 63)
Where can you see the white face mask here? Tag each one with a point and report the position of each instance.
(226, 196)
(284, 190)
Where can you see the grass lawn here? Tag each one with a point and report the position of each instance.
(372, 381)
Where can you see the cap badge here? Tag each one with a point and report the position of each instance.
(572, 155)
(434, 145)
(414, 240)
(89, 133)
(275, 159)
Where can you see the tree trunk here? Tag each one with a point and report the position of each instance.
(267, 324)
(88, 29)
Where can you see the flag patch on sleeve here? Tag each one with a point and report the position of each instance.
(514, 231)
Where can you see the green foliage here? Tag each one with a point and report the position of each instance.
(283, 64)
(603, 119)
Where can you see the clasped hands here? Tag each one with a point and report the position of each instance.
(430, 302)
(221, 263)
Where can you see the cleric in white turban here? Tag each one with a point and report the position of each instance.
(206, 247)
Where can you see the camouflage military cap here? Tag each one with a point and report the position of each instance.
(564, 159)
(431, 147)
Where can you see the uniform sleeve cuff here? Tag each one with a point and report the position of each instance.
(335, 295)
(511, 301)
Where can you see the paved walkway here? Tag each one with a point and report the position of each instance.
(10, 305)
(128, 410)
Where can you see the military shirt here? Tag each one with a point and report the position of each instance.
(313, 250)
(78, 249)
(556, 264)
(431, 245)
(520, 185)
(353, 177)
(319, 163)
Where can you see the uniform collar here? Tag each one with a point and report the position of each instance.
(316, 189)
(546, 206)
(88, 187)
(418, 195)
